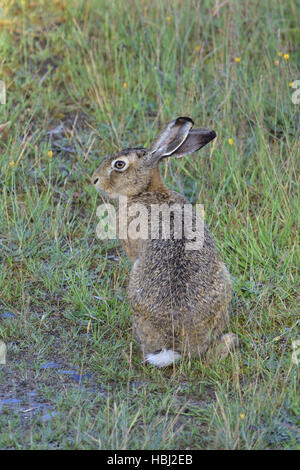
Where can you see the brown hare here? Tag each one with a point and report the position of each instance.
(179, 297)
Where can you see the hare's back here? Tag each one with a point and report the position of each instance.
(167, 270)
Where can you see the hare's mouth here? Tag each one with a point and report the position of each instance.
(106, 193)
(113, 195)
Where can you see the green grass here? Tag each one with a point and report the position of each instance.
(111, 73)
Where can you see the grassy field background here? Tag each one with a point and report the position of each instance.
(84, 79)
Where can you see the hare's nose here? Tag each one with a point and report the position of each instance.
(96, 180)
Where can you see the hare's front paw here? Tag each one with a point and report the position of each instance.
(163, 358)
(228, 343)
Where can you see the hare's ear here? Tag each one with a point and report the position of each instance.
(169, 140)
(178, 140)
(196, 139)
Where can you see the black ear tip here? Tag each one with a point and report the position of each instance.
(183, 119)
(213, 135)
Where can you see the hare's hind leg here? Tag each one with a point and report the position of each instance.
(227, 344)
(163, 358)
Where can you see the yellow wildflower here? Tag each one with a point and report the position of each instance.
(291, 84)
(197, 48)
(125, 85)
(242, 416)
(50, 154)
(11, 163)
(237, 59)
(169, 19)
(276, 62)
(286, 56)
(230, 141)
(280, 54)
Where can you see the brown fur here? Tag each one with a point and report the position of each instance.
(179, 298)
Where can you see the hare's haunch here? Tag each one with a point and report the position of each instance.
(179, 290)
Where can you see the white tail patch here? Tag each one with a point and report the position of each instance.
(163, 358)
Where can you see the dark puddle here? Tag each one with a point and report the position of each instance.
(50, 365)
(78, 378)
(31, 404)
(28, 407)
(75, 375)
(6, 315)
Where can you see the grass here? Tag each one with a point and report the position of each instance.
(84, 79)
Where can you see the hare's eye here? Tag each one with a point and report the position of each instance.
(119, 165)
